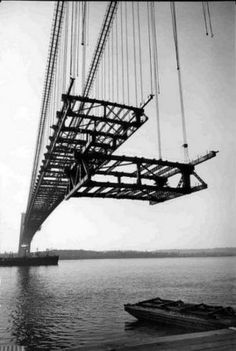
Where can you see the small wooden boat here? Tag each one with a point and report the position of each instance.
(177, 313)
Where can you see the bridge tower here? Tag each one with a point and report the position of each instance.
(24, 245)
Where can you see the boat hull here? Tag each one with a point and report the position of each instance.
(175, 313)
(29, 261)
(171, 319)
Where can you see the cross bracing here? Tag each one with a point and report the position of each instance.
(81, 128)
(136, 178)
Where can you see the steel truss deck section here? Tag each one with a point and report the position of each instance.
(83, 125)
(122, 177)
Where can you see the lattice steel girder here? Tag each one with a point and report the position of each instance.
(152, 197)
(128, 119)
(101, 119)
(92, 132)
(133, 159)
(103, 115)
(105, 103)
(82, 142)
(149, 179)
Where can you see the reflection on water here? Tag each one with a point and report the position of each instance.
(143, 327)
(81, 302)
(32, 302)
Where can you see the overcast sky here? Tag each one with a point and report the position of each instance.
(201, 220)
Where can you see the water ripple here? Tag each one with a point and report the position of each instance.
(81, 302)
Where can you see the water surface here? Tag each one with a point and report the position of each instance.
(80, 302)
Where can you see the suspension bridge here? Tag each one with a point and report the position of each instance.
(89, 112)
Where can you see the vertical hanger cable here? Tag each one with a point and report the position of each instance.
(140, 53)
(175, 35)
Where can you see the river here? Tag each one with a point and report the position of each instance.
(80, 302)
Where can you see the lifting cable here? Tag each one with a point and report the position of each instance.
(134, 46)
(87, 23)
(54, 93)
(83, 42)
(109, 66)
(117, 63)
(97, 92)
(71, 39)
(174, 24)
(78, 38)
(104, 72)
(127, 52)
(153, 14)
(74, 40)
(112, 63)
(209, 18)
(102, 78)
(150, 47)
(57, 81)
(65, 47)
(155, 69)
(122, 52)
(207, 14)
(140, 54)
(204, 16)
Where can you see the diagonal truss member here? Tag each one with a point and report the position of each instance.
(83, 125)
(136, 178)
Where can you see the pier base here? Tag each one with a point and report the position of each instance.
(24, 247)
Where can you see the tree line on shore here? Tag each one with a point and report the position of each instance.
(90, 254)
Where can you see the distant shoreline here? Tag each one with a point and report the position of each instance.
(118, 254)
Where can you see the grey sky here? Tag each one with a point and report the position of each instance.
(204, 219)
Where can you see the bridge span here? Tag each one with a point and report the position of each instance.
(87, 114)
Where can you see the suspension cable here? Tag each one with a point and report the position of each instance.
(97, 92)
(140, 54)
(204, 16)
(112, 63)
(104, 72)
(83, 43)
(127, 52)
(155, 62)
(117, 62)
(150, 47)
(154, 29)
(65, 46)
(209, 18)
(87, 23)
(109, 66)
(76, 39)
(102, 78)
(135, 68)
(71, 39)
(175, 34)
(78, 36)
(122, 53)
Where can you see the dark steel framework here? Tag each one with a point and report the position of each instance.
(79, 161)
(135, 178)
(83, 125)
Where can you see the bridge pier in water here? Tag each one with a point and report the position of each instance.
(24, 245)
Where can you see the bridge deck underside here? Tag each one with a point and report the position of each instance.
(83, 124)
(79, 161)
(122, 177)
